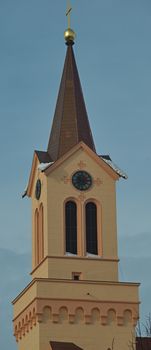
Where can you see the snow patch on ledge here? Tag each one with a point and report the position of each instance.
(44, 166)
(70, 254)
(25, 192)
(89, 255)
(120, 172)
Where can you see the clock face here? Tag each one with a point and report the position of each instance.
(82, 180)
(38, 189)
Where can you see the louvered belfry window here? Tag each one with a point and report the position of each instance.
(71, 227)
(91, 228)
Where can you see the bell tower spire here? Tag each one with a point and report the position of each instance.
(70, 124)
(75, 300)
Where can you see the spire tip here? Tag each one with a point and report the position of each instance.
(69, 34)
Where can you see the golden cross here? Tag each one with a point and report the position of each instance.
(69, 9)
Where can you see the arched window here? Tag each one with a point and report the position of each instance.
(71, 227)
(91, 228)
(36, 237)
(41, 233)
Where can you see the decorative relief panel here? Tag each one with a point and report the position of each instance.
(98, 181)
(66, 180)
(81, 165)
(73, 312)
(82, 197)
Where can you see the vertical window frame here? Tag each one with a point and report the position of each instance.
(39, 235)
(36, 240)
(80, 238)
(99, 226)
(41, 232)
(76, 219)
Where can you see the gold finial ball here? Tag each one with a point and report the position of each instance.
(69, 36)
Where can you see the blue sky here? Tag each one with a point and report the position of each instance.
(113, 55)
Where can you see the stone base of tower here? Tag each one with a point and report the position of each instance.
(89, 314)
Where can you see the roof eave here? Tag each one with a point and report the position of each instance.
(82, 145)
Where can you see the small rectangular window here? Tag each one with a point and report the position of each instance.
(76, 276)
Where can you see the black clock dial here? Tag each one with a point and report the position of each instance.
(82, 180)
(38, 189)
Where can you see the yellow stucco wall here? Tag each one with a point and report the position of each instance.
(96, 309)
(58, 192)
(72, 290)
(31, 341)
(55, 191)
(89, 268)
(87, 336)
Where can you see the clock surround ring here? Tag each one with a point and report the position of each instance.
(82, 180)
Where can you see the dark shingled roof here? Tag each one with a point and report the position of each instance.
(143, 343)
(105, 156)
(56, 345)
(43, 157)
(70, 123)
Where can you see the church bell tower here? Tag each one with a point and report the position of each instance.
(75, 299)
